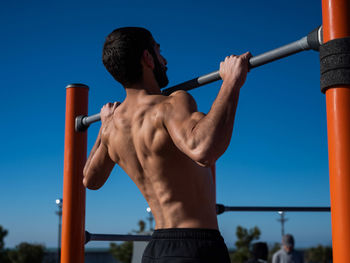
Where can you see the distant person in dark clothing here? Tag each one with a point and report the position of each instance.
(259, 253)
(287, 254)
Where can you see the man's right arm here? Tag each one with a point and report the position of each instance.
(204, 138)
(99, 164)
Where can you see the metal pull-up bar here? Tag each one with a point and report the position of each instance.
(112, 237)
(312, 41)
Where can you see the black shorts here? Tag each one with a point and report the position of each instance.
(186, 245)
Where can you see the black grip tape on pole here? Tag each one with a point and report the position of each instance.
(335, 63)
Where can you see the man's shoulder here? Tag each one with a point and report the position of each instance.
(181, 94)
(183, 99)
(279, 253)
(277, 256)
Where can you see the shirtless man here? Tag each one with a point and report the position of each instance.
(166, 146)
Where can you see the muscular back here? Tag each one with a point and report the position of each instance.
(180, 192)
(167, 147)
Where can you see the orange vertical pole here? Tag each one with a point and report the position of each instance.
(336, 24)
(75, 146)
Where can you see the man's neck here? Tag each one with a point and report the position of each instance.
(143, 88)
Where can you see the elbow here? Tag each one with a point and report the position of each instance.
(204, 152)
(205, 158)
(206, 163)
(208, 155)
(88, 183)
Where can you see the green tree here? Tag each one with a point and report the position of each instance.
(3, 234)
(27, 253)
(319, 254)
(244, 239)
(123, 251)
(3, 252)
(142, 226)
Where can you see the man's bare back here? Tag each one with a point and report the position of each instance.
(165, 145)
(180, 192)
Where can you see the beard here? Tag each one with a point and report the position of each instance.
(160, 73)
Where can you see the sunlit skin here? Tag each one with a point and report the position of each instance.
(166, 146)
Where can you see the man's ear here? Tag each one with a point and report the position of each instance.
(147, 58)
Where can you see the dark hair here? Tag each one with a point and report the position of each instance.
(122, 52)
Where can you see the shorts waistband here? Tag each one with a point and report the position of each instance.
(187, 233)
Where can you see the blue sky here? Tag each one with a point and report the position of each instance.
(278, 153)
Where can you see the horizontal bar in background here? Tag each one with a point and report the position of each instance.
(222, 209)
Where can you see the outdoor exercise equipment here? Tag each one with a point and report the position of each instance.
(336, 25)
(312, 41)
(220, 209)
(335, 83)
(112, 237)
